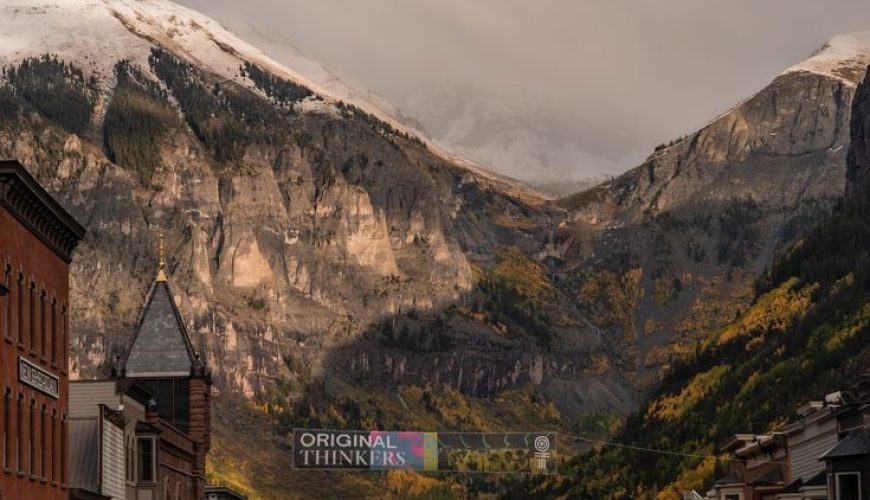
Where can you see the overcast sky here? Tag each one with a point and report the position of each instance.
(611, 77)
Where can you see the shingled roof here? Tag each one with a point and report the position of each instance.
(161, 346)
(855, 444)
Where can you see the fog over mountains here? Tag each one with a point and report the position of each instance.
(547, 91)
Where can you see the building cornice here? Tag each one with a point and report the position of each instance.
(25, 199)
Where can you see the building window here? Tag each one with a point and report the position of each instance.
(63, 431)
(7, 453)
(54, 339)
(32, 436)
(64, 341)
(145, 459)
(849, 486)
(19, 452)
(42, 324)
(33, 314)
(43, 452)
(6, 304)
(51, 442)
(21, 310)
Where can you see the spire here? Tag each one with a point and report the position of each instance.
(161, 266)
(161, 346)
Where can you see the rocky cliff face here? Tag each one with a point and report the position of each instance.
(858, 176)
(677, 242)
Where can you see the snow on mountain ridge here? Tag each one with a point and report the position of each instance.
(96, 34)
(844, 56)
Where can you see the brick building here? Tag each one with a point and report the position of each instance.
(37, 238)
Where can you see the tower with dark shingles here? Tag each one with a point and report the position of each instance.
(162, 359)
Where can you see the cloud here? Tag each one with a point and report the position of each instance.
(609, 78)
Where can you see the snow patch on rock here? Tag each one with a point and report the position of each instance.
(844, 56)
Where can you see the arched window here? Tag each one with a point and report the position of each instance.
(21, 311)
(54, 335)
(43, 309)
(64, 338)
(7, 432)
(32, 437)
(63, 447)
(33, 318)
(51, 444)
(43, 440)
(19, 428)
(5, 303)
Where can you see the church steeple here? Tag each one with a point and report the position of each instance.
(161, 265)
(161, 346)
(162, 360)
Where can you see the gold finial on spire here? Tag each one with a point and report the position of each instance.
(161, 251)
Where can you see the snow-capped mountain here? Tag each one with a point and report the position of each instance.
(98, 33)
(844, 56)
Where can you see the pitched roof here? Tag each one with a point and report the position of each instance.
(799, 484)
(730, 478)
(855, 444)
(161, 346)
(773, 476)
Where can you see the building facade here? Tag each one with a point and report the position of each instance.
(38, 238)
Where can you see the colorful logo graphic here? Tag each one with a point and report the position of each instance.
(530, 453)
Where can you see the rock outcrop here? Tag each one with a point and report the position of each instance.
(858, 174)
(686, 233)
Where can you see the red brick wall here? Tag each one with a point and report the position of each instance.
(43, 341)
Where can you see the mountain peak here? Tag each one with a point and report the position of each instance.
(844, 56)
(128, 29)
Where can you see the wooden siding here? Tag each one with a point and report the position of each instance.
(113, 477)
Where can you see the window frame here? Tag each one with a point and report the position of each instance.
(7, 304)
(7, 429)
(20, 302)
(52, 445)
(33, 315)
(19, 441)
(43, 324)
(140, 462)
(32, 438)
(838, 475)
(54, 332)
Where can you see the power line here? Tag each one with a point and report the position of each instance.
(661, 452)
